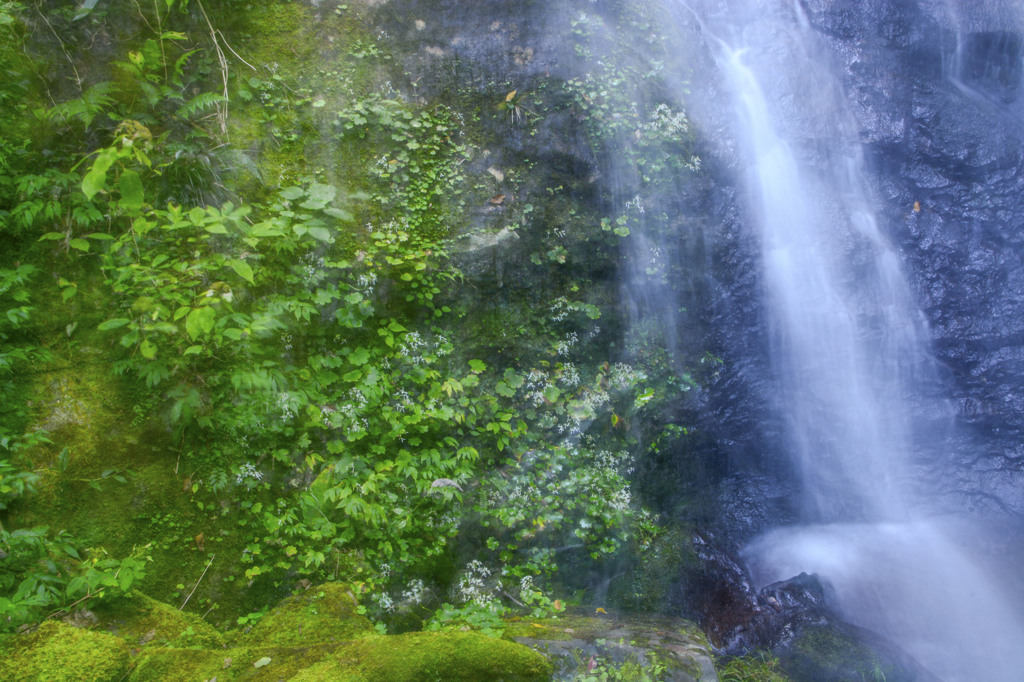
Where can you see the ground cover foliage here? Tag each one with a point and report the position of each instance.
(241, 351)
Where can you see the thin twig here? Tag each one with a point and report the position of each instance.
(78, 78)
(513, 599)
(67, 609)
(180, 449)
(222, 107)
(160, 36)
(228, 45)
(197, 582)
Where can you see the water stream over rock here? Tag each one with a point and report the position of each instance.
(863, 405)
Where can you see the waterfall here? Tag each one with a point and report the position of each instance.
(850, 358)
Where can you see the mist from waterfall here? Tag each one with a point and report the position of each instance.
(850, 357)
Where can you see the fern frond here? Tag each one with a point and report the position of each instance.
(201, 102)
(85, 108)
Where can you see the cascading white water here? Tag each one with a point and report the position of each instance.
(850, 351)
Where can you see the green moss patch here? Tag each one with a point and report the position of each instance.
(420, 656)
(830, 653)
(146, 622)
(57, 652)
(182, 664)
(320, 615)
(617, 646)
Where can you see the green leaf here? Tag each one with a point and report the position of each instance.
(242, 268)
(80, 244)
(130, 185)
(477, 366)
(147, 349)
(96, 178)
(265, 661)
(200, 321)
(51, 236)
(291, 193)
(319, 196)
(551, 394)
(503, 389)
(339, 214)
(321, 233)
(360, 356)
(113, 324)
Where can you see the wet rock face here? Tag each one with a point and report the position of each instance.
(937, 97)
(792, 618)
(613, 645)
(936, 92)
(737, 617)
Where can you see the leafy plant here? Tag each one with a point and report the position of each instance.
(484, 618)
(599, 669)
(759, 667)
(43, 575)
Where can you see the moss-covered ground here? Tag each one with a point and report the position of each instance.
(313, 636)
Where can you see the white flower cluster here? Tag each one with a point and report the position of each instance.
(366, 281)
(563, 347)
(591, 400)
(447, 522)
(526, 585)
(559, 310)
(473, 586)
(412, 347)
(623, 376)
(384, 601)
(570, 375)
(286, 406)
(672, 124)
(620, 499)
(312, 268)
(403, 400)
(636, 202)
(352, 409)
(248, 471)
(655, 253)
(325, 417)
(442, 346)
(416, 593)
(573, 428)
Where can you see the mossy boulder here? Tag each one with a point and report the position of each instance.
(414, 657)
(845, 653)
(181, 664)
(619, 646)
(57, 651)
(143, 621)
(420, 656)
(319, 615)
